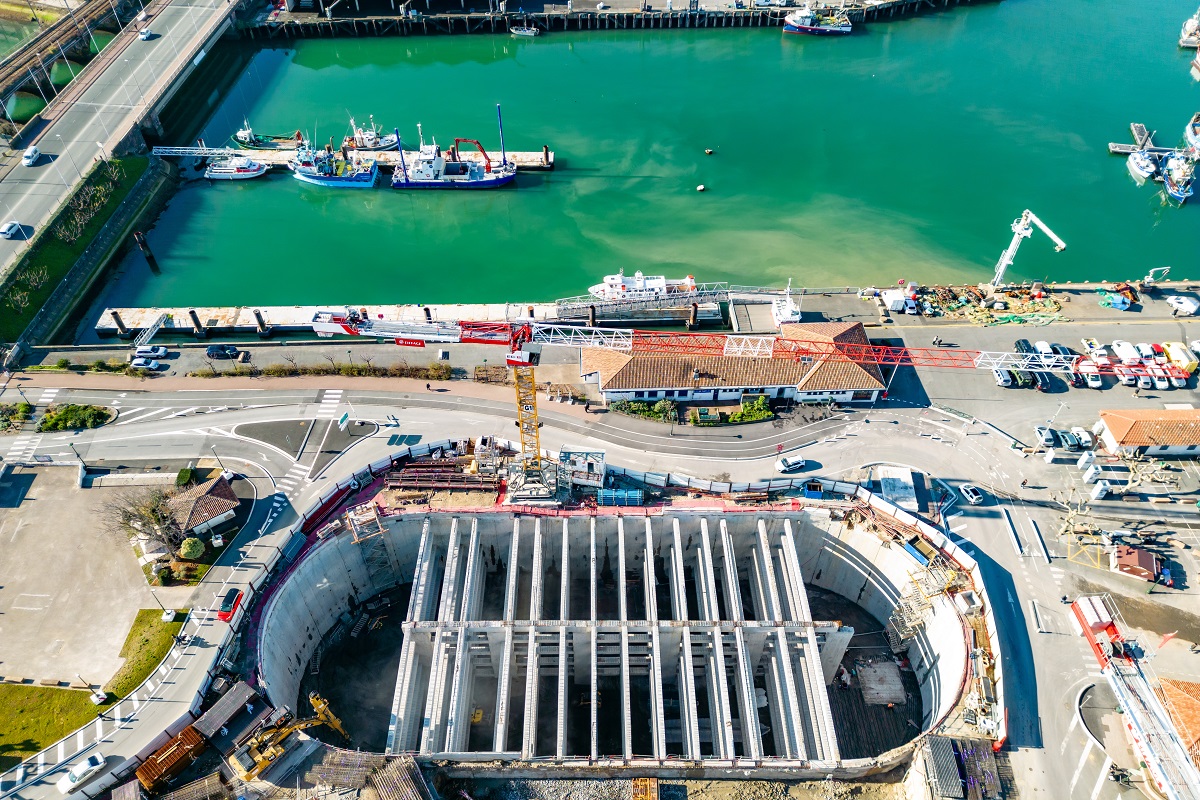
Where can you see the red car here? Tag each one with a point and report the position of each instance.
(229, 606)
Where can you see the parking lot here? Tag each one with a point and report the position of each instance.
(68, 591)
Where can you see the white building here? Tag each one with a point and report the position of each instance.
(835, 371)
(1155, 432)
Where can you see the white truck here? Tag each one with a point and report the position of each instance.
(1126, 352)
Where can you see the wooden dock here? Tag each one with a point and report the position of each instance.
(536, 161)
(1143, 140)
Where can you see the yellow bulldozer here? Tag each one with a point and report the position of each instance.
(265, 747)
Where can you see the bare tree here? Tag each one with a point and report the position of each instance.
(18, 301)
(291, 360)
(36, 276)
(143, 512)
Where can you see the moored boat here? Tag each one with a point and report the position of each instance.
(1178, 172)
(1189, 35)
(1142, 165)
(525, 31)
(1191, 133)
(641, 287)
(238, 168)
(370, 138)
(431, 169)
(785, 309)
(805, 20)
(247, 139)
(325, 168)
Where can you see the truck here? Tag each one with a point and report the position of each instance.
(1126, 352)
(1180, 356)
(171, 759)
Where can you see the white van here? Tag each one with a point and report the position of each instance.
(1044, 348)
(1126, 352)
(1003, 377)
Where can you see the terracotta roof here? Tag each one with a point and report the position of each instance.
(1153, 427)
(1184, 705)
(631, 372)
(203, 502)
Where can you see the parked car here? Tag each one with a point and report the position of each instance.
(1183, 306)
(10, 229)
(1126, 352)
(1043, 347)
(1125, 376)
(1068, 440)
(221, 351)
(1041, 381)
(1003, 377)
(1144, 382)
(1077, 380)
(1024, 379)
(1046, 436)
(1145, 351)
(32, 155)
(971, 494)
(1092, 377)
(1160, 379)
(150, 351)
(1062, 350)
(1086, 440)
(790, 464)
(1022, 346)
(910, 306)
(79, 773)
(144, 363)
(229, 605)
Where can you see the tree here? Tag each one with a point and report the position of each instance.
(191, 549)
(143, 512)
(665, 410)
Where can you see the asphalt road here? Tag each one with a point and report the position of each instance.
(100, 117)
(1044, 663)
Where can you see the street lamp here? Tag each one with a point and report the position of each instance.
(168, 614)
(76, 452)
(68, 152)
(349, 355)
(1061, 406)
(213, 447)
(133, 75)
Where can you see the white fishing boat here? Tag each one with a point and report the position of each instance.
(1189, 36)
(806, 21)
(785, 309)
(525, 31)
(432, 168)
(641, 287)
(370, 138)
(234, 169)
(1192, 132)
(1142, 165)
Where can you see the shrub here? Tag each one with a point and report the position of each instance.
(191, 549)
(63, 363)
(756, 410)
(71, 417)
(165, 574)
(184, 477)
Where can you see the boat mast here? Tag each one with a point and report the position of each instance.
(500, 119)
(403, 168)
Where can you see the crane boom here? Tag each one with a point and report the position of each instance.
(1021, 231)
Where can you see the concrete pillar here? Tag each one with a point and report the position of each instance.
(623, 601)
(767, 576)
(510, 591)
(535, 596)
(790, 706)
(431, 725)
(592, 584)
(648, 579)
(472, 597)
(658, 717)
(678, 591)
(733, 594)
(564, 597)
(449, 604)
(626, 705)
(561, 751)
(503, 689)
(419, 601)
(706, 579)
(751, 740)
(595, 690)
(457, 722)
(718, 687)
(687, 699)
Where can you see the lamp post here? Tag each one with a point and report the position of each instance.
(76, 452)
(68, 152)
(349, 355)
(168, 614)
(213, 447)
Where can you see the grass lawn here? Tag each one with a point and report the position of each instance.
(57, 256)
(33, 717)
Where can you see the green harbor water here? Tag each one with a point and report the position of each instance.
(902, 152)
(12, 33)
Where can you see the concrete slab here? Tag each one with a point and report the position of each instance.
(69, 590)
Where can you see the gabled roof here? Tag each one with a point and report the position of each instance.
(203, 502)
(636, 371)
(1153, 427)
(1184, 704)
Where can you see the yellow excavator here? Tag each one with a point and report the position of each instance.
(263, 748)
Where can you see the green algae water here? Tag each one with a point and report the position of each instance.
(902, 152)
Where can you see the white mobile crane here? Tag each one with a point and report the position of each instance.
(1022, 230)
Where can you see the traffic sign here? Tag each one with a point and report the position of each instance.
(344, 421)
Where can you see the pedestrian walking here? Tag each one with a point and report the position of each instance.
(427, 388)
(1137, 392)
(1025, 482)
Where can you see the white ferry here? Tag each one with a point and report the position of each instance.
(641, 287)
(234, 169)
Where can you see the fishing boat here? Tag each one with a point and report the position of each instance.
(369, 138)
(785, 309)
(1189, 35)
(1177, 174)
(805, 20)
(641, 287)
(238, 168)
(325, 168)
(1192, 132)
(247, 139)
(1142, 165)
(432, 169)
(525, 31)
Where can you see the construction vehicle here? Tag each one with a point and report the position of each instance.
(266, 746)
(1021, 231)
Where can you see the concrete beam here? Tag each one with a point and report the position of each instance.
(595, 690)
(592, 616)
(767, 575)
(561, 751)
(503, 687)
(402, 725)
(535, 599)
(733, 593)
(510, 591)
(431, 723)
(564, 597)
(529, 733)
(687, 701)
(419, 601)
(658, 717)
(449, 604)
(722, 716)
(678, 585)
(648, 579)
(623, 600)
(626, 705)
(706, 578)
(751, 738)
(472, 597)
(457, 723)
(791, 710)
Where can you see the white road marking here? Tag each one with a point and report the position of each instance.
(1101, 778)
(1083, 757)
(958, 528)
(142, 417)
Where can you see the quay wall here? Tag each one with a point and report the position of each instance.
(303, 25)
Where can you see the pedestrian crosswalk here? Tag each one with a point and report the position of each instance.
(330, 401)
(290, 484)
(23, 447)
(47, 397)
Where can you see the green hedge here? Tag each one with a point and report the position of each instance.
(72, 417)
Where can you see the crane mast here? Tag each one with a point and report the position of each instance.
(1022, 230)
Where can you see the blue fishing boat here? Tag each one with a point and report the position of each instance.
(1177, 174)
(805, 20)
(431, 169)
(324, 168)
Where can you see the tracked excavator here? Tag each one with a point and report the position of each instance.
(265, 747)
